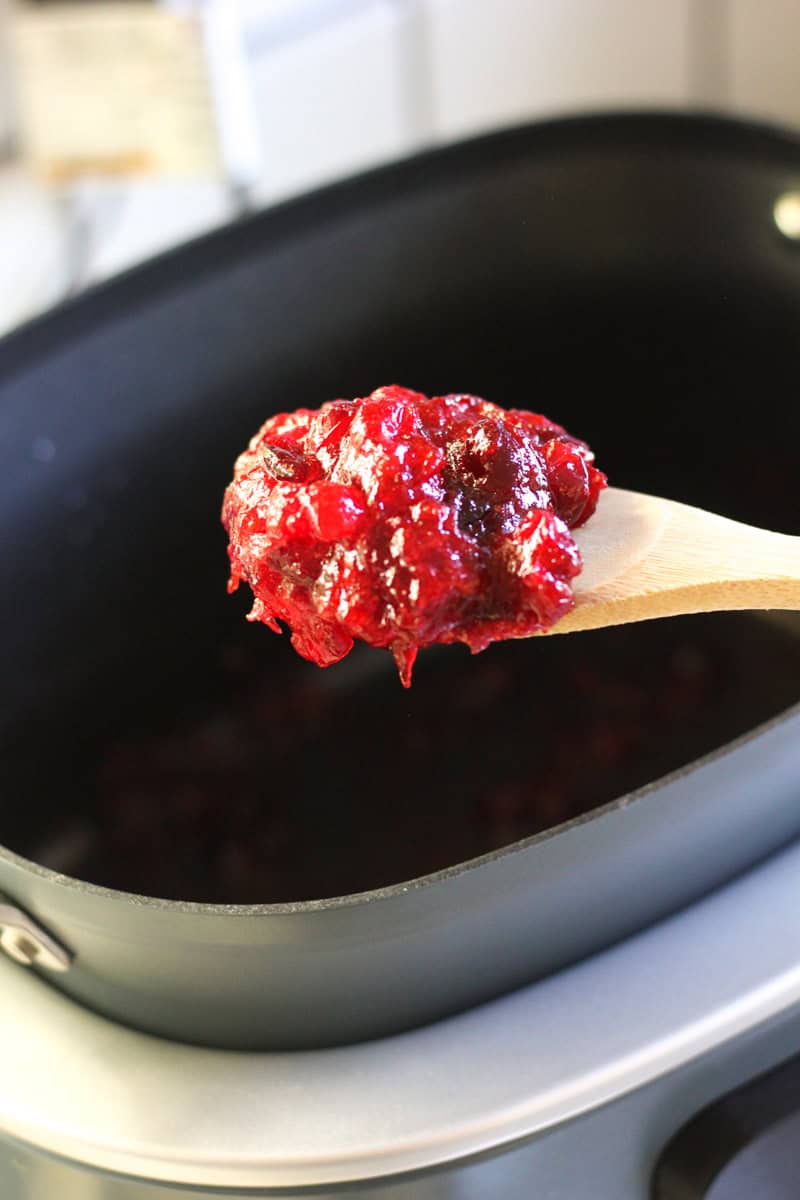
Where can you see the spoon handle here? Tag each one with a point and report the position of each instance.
(678, 559)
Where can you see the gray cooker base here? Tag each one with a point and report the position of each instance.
(585, 1077)
(608, 1154)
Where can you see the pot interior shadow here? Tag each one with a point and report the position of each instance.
(259, 778)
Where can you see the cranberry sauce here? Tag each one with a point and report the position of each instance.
(404, 521)
(266, 779)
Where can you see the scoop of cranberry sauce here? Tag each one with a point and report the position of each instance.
(406, 520)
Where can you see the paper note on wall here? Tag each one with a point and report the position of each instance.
(114, 89)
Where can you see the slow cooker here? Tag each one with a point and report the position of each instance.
(391, 952)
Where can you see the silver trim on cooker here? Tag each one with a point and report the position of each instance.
(78, 1085)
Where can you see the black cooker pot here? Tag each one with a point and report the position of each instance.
(624, 275)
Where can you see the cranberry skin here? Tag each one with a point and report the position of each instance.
(405, 520)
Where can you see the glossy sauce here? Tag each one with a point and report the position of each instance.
(404, 521)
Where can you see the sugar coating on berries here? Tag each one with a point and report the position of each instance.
(406, 520)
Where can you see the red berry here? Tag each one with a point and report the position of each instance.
(406, 520)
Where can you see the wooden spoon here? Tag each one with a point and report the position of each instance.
(644, 557)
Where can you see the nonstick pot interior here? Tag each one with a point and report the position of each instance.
(624, 276)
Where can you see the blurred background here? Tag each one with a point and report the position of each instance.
(128, 127)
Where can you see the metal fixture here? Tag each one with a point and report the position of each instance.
(786, 214)
(27, 943)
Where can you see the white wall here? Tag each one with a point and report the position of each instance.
(508, 60)
(763, 50)
(6, 104)
(330, 97)
(371, 79)
(329, 87)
